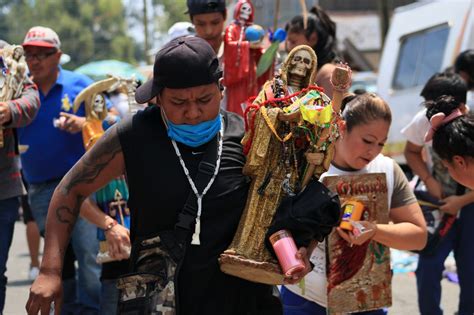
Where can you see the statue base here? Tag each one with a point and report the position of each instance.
(256, 271)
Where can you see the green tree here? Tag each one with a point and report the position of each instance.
(173, 11)
(88, 29)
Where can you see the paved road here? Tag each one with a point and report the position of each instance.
(404, 286)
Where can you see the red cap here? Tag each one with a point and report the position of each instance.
(42, 37)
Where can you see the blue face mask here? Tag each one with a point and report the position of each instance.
(194, 135)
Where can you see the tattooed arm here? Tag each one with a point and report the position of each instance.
(95, 169)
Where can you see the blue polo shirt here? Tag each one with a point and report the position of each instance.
(52, 152)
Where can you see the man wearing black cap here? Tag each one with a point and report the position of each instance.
(208, 17)
(183, 160)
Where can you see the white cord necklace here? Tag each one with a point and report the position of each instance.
(197, 229)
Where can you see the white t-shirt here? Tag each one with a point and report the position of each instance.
(120, 102)
(314, 285)
(415, 133)
(470, 99)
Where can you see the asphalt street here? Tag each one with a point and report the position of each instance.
(403, 285)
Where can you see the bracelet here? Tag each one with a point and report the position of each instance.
(110, 225)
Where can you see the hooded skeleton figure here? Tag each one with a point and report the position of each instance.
(244, 12)
(280, 158)
(99, 106)
(96, 110)
(93, 98)
(299, 69)
(240, 59)
(15, 72)
(113, 197)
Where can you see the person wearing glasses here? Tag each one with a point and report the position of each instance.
(55, 144)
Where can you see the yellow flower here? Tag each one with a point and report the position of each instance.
(316, 114)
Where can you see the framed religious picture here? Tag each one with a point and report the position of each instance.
(359, 277)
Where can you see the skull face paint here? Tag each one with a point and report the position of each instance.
(301, 63)
(245, 11)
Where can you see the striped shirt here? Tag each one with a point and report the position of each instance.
(23, 111)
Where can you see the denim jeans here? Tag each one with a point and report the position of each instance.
(109, 297)
(8, 215)
(85, 245)
(293, 304)
(430, 267)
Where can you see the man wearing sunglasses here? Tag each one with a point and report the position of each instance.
(55, 144)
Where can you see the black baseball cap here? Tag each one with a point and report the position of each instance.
(182, 63)
(205, 6)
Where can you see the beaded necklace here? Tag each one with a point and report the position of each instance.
(197, 228)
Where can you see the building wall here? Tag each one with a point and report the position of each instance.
(357, 20)
(360, 5)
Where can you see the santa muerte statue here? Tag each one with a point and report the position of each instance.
(290, 130)
(12, 76)
(242, 51)
(112, 198)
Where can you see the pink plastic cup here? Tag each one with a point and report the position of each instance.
(285, 249)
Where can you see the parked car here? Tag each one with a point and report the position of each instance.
(364, 81)
(424, 38)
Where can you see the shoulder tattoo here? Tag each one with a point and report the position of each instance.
(93, 162)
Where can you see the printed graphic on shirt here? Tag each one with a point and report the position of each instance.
(359, 277)
(319, 261)
(66, 103)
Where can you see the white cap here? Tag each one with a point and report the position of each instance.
(42, 37)
(180, 29)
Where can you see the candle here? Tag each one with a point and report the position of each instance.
(285, 249)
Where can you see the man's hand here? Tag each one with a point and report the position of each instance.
(304, 254)
(5, 113)
(452, 204)
(46, 289)
(118, 242)
(71, 123)
(359, 236)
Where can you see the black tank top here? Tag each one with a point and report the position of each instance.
(158, 191)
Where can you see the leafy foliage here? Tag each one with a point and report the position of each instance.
(173, 11)
(88, 29)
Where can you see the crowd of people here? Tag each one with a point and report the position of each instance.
(183, 161)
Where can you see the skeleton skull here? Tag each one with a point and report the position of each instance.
(301, 63)
(17, 52)
(99, 103)
(245, 11)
